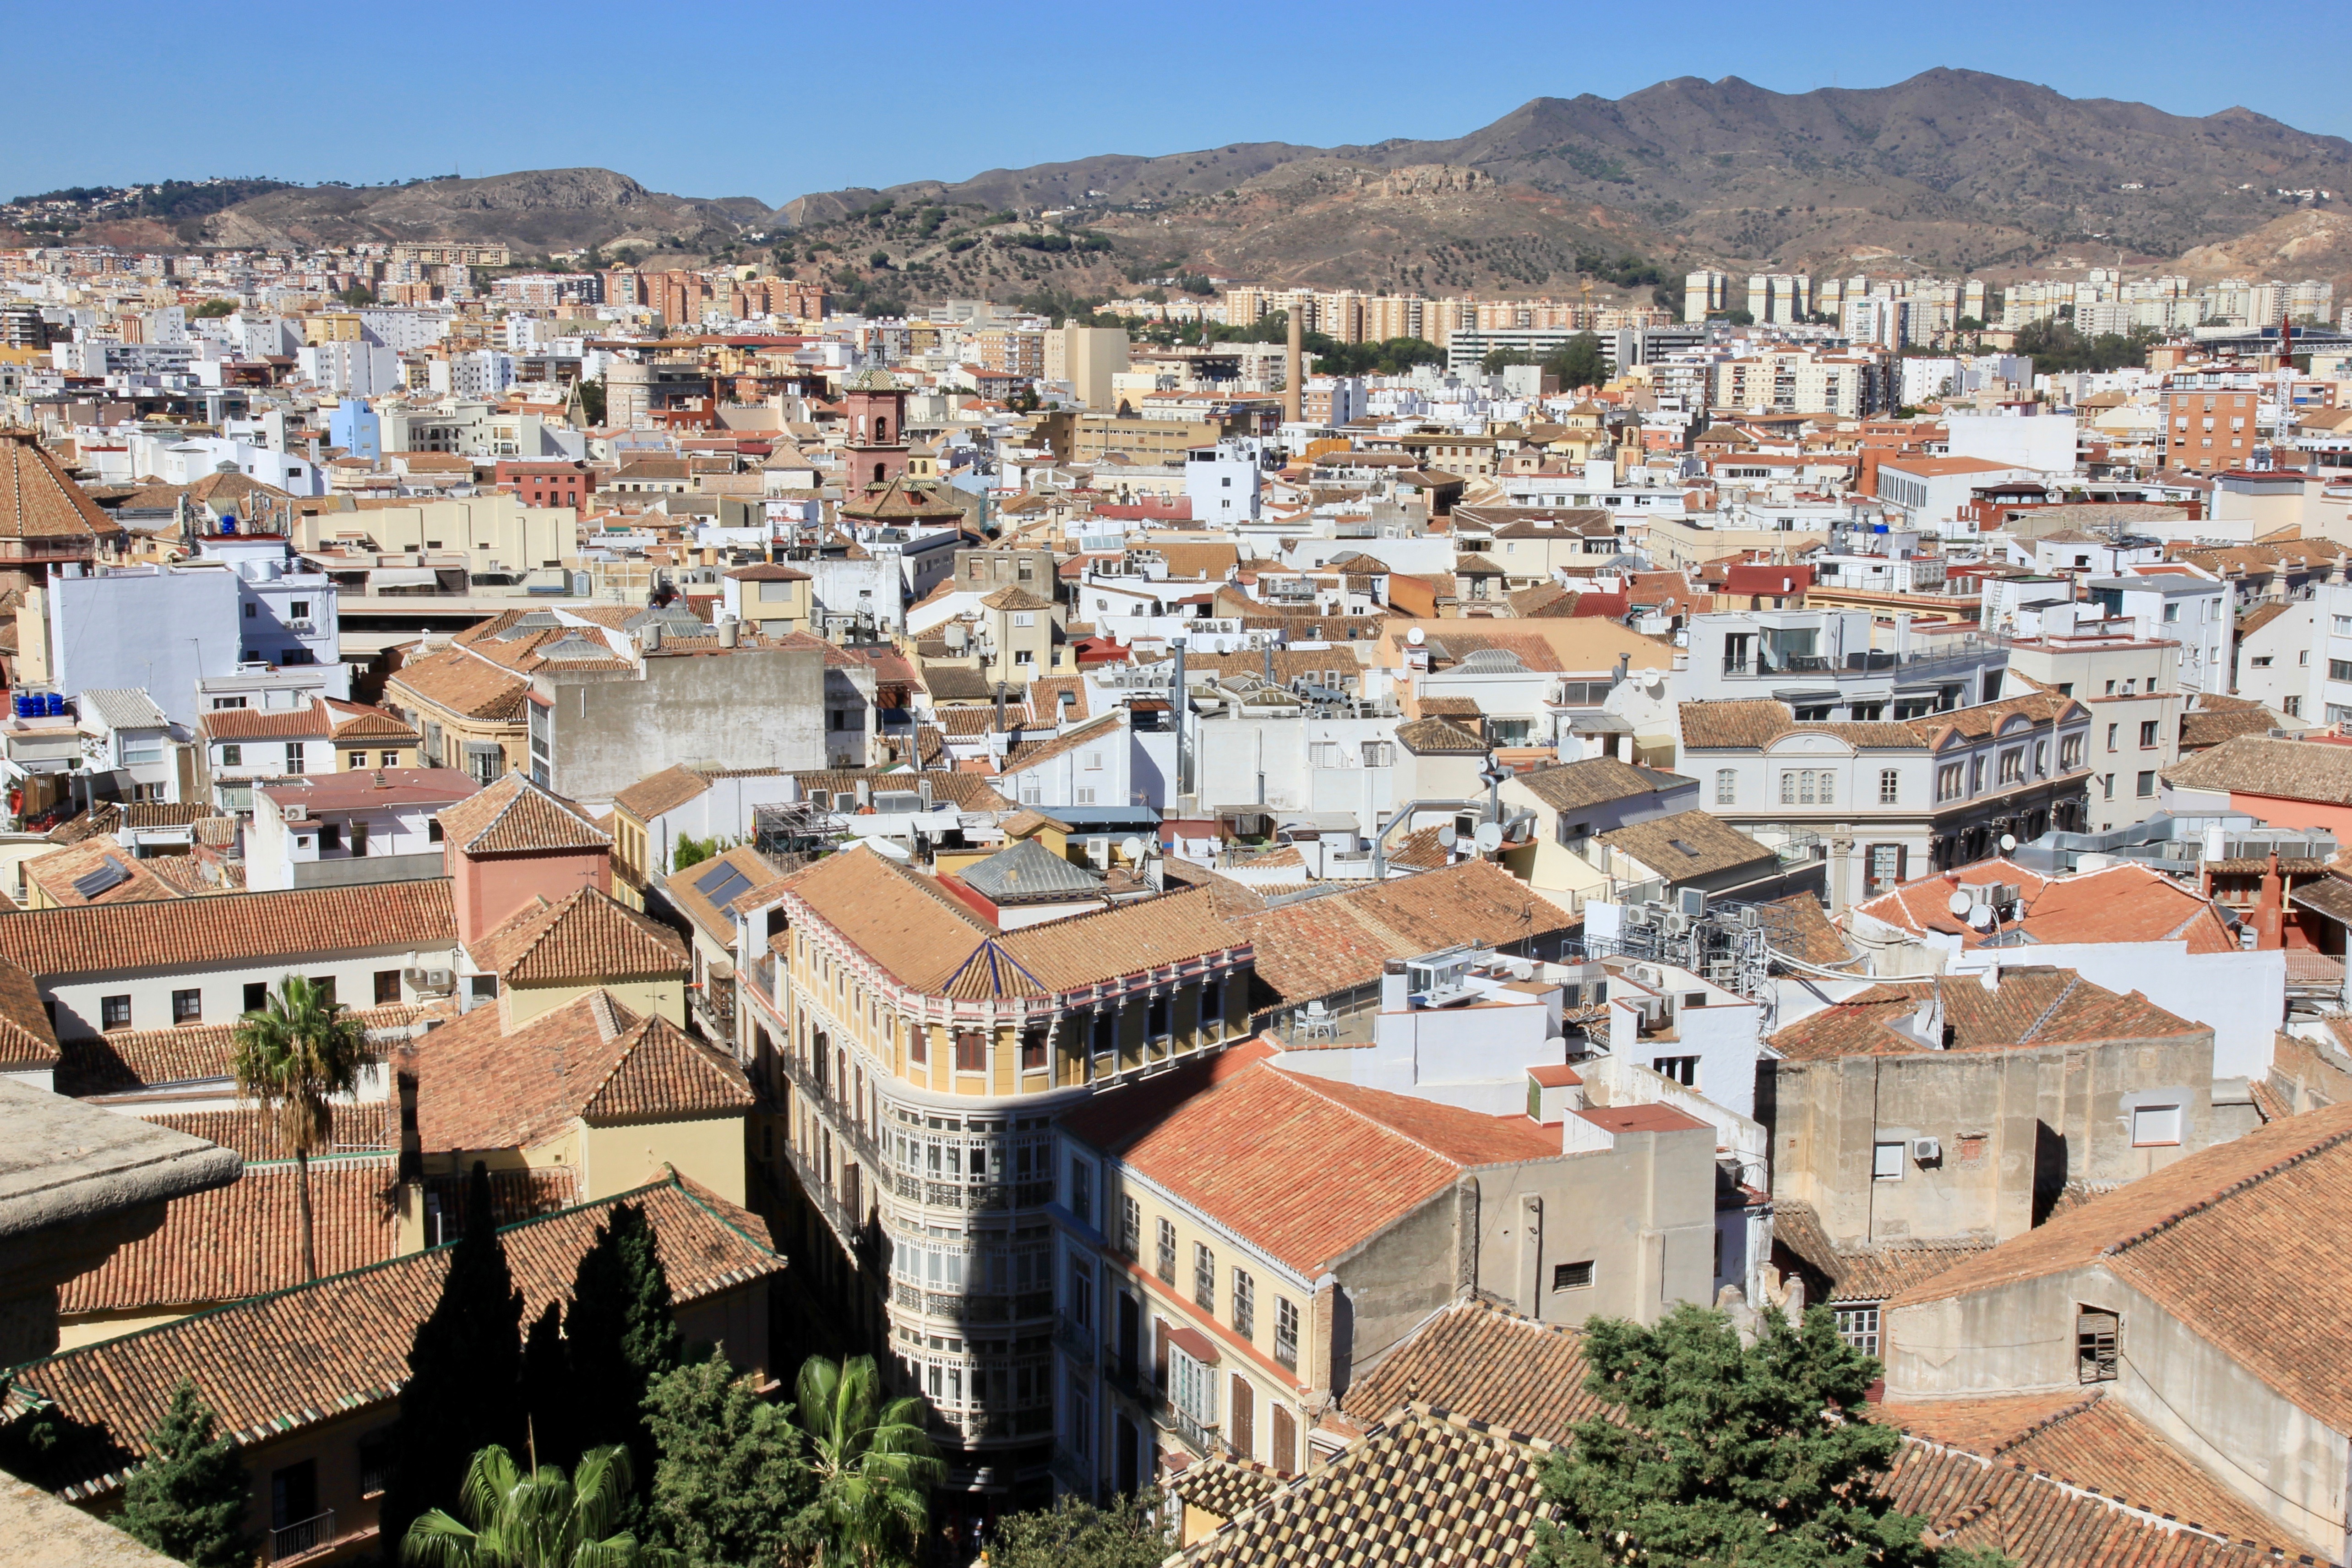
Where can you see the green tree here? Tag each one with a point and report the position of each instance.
(294, 1055)
(872, 1461)
(730, 1482)
(188, 1500)
(619, 1334)
(358, 294)
(1754, 1454)
(1580, 362)
(214, 308)
(692, 851)
(1073, 1533)
(592, 400)
(543, 1519)
(464, 1392)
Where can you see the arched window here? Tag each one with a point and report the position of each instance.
(881, 430)
(878, 473)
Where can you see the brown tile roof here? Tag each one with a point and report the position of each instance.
(244, 1239)
(515, 815)
(2284, 770)
(2032, 1007)
(1751, 723)
(1425, 1488)
(1804, 932)
(2226, 1241)
(131, 1059)
(253, 1131)
(355, 721)
(688, 899)
(292, 1359)
(1016, 598)
(1320, 945)
(1503, 1369)
(966, 791)
(1439, 737)
(2119, 903)
(478, 1088)
(29, 1042)
(1028, 755)
(1688, 844)
(588, 936)
(459, 683)
(55, 873)
(1221, 1487)
(253, 927)
(312, 721)
(37, 500)
(657, 792)
(1228, 1137)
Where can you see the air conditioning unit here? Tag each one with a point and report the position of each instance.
(430, 980)
(1677, 922)
(1691, 902)
(1927, 1151)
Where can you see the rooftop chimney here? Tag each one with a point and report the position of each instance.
(1293, 381)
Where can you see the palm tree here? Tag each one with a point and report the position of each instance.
(293, 1056)
(873, 1462)
(543, 1520)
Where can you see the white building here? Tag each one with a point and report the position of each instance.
(2180, 603)
(1223, 483)
(333, 829)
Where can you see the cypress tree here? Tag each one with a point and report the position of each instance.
(547, 1391)
(188, 1500)
(619, 1335)
(465, 1387)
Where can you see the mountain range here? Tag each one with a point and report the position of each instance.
(1950, 171)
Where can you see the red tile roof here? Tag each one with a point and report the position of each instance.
(1320, 945)
(589, 936)
(515, 815)
(2031, 1007)
(2119, 903)
(249, 927)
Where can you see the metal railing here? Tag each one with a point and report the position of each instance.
(1074, 1339)
(302, 1536)
(1198, 1436)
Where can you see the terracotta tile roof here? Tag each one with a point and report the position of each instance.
(131, 1059)
(478, 1088)
(1477, 1358)
(965, 791)
(1439, 737)
(312, 721)
(292, 1359)
(37, 500)
(1687, 844)
(1229, 1136)
(1146, 935)
(253, 1131)
(1575, 785)
(1804, 932)
(2124, 902)
(2032, 1007)
(515, 815)
(588, 936)
(1423, 1487)
(897, 917)
(129, 880)
(29, 1043)
(252, 927)
(684, 890)
(2226, 1241)
(355, 721)
(1419, 850)
(1320, 945)
(657, 792)
(1045, 699)
(1027, 755)
(244, 1239)
(2089, 1441)
(459, 683)
(2282, 770)
(1752, 723)
(1221, 1487)
(966, 722)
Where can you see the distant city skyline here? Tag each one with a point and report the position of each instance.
(805, 98)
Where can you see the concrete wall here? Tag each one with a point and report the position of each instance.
(1643, 1213)
(750, 708)
(492, 889)
(710, 1151)
(160, 632)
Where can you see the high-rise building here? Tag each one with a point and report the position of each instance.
(1704, 293)
(1086, 358)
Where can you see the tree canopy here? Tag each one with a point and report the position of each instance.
(732, 1481)
(2057, 347)
(295, 1055)
(1757, 1454)
(188, 1500)
(1074, 1533)
(619, 1334)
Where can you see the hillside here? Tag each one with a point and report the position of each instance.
(1949, 171)
(536, 210)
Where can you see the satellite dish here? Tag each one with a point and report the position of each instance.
(2008, 842)
(1650, 679)
(1489, 837)
(1415, 637)
(1981, 917)
(1959, 904)
(1132, 847)
(1446, 838)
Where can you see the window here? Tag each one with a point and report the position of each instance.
(1948, 781)
(232, 756)
(257, 995)
(293, 756)
(1890, 786)
(1727, 786)
(1156, 1017)
(2155, 1126)
(1806, 786)
(387, 986)
(1032, 1050)
(2172, 610)
(971, 1051)
(433, 831)
(187, 1006)
(1285, 1331)
(2292, 707)
(1858, 1326)
(1244, 1305)
(1130, 1227)
(388, 759)
(1884, 866)
(1378, 754)
(2098, 1344)
(357, 759)
(331, 837)
(2147, 734)
(2070, 753)
(1683, 1070)
(114, 1012)
(2340, 669)
(2012, 765)
(1886, 1162)
(1081, 1191)
(1204, 1278)
(1572, 1276)
(1082, 1292)
(1166, 1259)
(2147, 784)
(2262, 661)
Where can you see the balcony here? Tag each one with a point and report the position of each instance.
(1198, 1436)
(1071, 1471)
(302, 1537)
(1074, 1339)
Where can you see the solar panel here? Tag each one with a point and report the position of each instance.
(110, 873)
(722, 885)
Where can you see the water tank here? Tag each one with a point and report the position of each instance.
(24, 706)
(56, 705)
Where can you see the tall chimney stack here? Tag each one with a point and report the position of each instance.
(1294, 379)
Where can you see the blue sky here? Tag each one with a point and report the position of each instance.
(775, 100)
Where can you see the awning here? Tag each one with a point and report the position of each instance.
(1193, 1344)
(402, 577)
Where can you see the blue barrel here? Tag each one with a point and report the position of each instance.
(56, 705)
